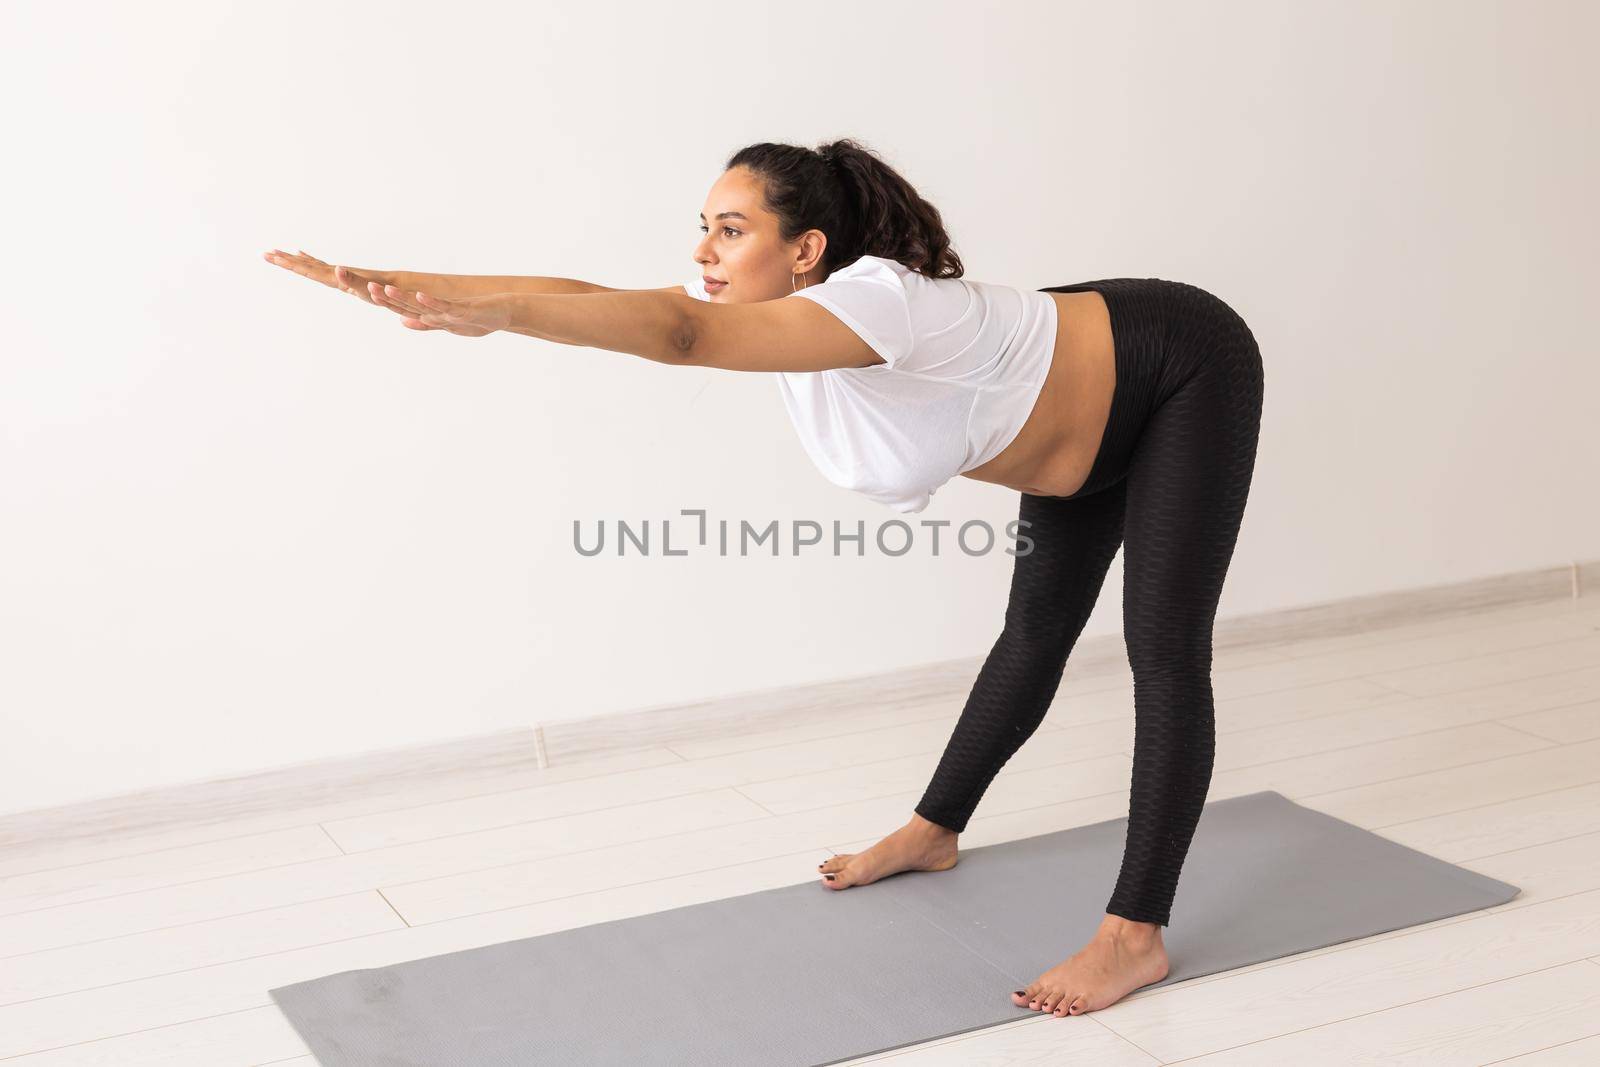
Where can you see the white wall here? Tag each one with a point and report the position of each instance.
(248, 522)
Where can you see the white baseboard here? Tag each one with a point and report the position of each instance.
(1096, 654)
(519, 752)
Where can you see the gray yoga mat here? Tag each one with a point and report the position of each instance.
(808, 975)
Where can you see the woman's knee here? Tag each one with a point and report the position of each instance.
(1164, 662)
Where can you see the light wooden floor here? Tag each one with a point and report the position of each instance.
(1476, 739)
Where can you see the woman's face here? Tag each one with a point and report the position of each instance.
(741, 247)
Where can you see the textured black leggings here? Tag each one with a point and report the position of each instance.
(1169, 484)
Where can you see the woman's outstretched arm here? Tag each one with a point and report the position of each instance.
(450, 286)
(673, 327)
(455, 286)
(660, 325)
(459, 285)
(652, 323)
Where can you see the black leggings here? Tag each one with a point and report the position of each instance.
(1170, 481)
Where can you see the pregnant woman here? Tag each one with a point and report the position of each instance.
(1124, 411)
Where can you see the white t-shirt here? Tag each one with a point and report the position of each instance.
(964, 363)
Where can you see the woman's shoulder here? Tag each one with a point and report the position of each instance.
(868, 264)
(909, 277)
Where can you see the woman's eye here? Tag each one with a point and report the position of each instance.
(725, 229)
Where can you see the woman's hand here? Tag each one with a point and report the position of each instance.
(467, 317)
(471, 316)
(350, 280)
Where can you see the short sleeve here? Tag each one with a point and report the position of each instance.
(869, 297)
(911, 503)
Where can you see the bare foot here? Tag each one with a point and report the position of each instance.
(1120, 958)
(919, 845)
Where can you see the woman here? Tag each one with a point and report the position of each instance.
(1124, 411)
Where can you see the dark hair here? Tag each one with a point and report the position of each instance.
(864, 206)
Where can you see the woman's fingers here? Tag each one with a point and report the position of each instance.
(429, 312)
(308, 267)
(335, 277)
(412, 303)
(294, 263)
(393, 299)
(355, 283)
(437, 310)
(411, 312)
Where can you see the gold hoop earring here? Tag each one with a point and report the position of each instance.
(792, 277)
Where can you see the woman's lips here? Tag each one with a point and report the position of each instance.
(712, 287)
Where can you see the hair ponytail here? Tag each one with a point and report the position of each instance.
(849, 193)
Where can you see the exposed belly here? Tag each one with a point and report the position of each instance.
(1055, 450)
